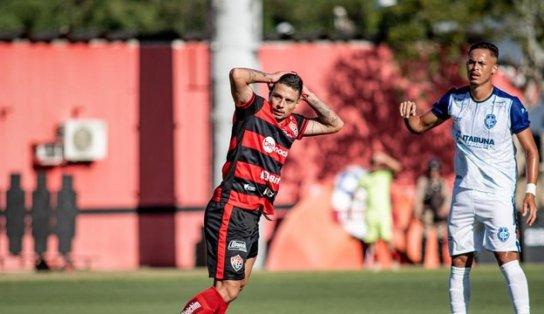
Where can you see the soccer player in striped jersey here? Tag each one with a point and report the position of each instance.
(263, 132)
(482, 214)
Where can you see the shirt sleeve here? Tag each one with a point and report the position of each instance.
(302, 123)
(519, 117)
(440, 108)
(249, 108)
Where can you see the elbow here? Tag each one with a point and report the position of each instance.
(413, 128)
(235, 74)
(338, 126)
(416, 131)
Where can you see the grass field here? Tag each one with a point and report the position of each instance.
(409, 290)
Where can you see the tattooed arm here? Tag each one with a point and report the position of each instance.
(242, 78)
(327, 121)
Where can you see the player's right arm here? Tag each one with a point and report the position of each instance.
(417, 123)
(242, 78)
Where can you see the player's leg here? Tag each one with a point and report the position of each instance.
(230, 289)
(370, 238)
(465, 236)
(459, 282)
(242, 250)
(216, 219)
(516, 281)
(441, 234)
(426, 221)
(501, 238)
(205, 302)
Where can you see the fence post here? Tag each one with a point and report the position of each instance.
(41, 219)
(66, 218)
(15, 214)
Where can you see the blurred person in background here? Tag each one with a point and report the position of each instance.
(484, 120)
(431, 206)
(262, 134)
(378, 214)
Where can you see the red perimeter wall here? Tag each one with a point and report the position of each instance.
(141, 205)
(155, 100)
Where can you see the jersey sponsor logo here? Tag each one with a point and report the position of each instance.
(475, 141)
(269, 146)
(192, 308)
(237, 262)
(268, 192)
(267, 176)
(236, 245)
(503, 234)
(249, 187)
(490, 121)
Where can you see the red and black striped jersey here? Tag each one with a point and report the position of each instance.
(258, 148)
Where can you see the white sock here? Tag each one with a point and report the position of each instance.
(516, 283)
(459, 289)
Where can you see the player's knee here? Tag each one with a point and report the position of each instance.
(232, 293)
(506, 257)
(229, 291)
(462, 261)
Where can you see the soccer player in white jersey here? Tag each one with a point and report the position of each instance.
(482, 212)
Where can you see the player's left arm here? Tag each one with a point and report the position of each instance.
(527, 142)
(327, 121)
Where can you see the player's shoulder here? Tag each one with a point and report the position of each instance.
(503, 96)
(456, 94)
(463, 91)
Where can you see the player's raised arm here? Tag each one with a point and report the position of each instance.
(417, 123)
(527, 142)
(327, 121)
(242, 78)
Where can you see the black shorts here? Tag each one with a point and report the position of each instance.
(232, 236)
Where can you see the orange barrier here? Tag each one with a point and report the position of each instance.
(309, 239)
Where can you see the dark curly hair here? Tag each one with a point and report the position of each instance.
(485, 45)
(292, 80)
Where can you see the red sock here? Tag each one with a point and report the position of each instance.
(208, 301)
(223, 308)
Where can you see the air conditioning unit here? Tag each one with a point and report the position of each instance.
(84, 140)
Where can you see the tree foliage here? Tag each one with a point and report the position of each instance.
(103, 16)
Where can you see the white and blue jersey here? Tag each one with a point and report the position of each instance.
(482, 210)
(484, 149)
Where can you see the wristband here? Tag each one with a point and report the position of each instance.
(531, 188)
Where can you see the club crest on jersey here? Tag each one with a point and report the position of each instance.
(503, 234)
(237, 262)
(294, 128)
(490, 121)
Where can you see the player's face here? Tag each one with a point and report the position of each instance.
(283, 99)
(481, 66)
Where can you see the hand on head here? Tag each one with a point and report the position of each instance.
(275, 77)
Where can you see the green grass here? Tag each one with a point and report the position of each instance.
(410, 290)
